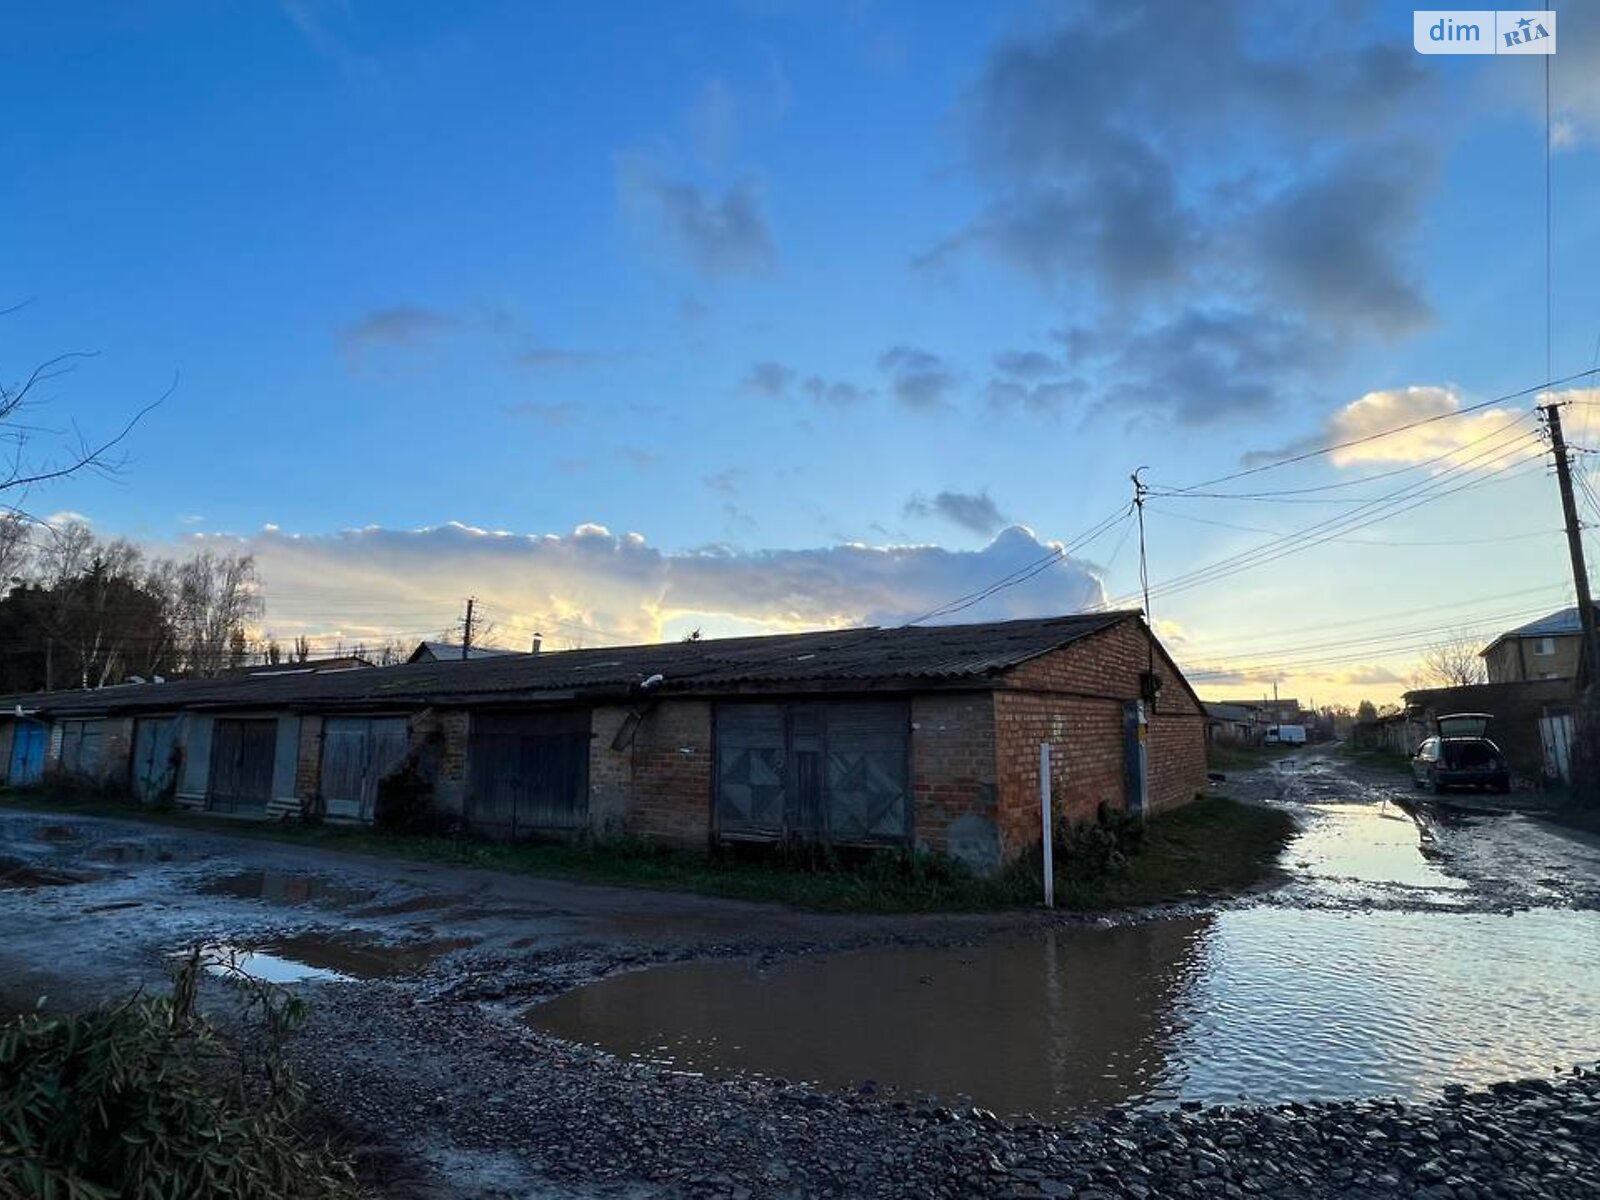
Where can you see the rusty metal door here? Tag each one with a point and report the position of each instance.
(822, 772)
(155, 758)
(528, 773)
(357, 752)
(242, 753)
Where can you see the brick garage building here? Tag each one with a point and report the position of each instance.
(913, 736)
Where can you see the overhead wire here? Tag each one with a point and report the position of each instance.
(1378, 509)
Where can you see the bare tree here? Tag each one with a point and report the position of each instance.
(16, 549)
(1454, 661)
(26, 464)
(302, 648)
(217, 596)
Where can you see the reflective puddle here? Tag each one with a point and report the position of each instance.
(1369, 853)
(281, 887)
(311, 957)
(1262, 1004)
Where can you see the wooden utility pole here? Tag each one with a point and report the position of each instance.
(466, 629)
(1588, 660)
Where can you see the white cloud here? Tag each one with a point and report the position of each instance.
(1468, 439)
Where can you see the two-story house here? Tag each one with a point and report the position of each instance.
(1542, 649)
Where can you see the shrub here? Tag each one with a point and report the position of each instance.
(146, 1099)
(405, 802)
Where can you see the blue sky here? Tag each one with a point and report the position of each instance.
(815, 299)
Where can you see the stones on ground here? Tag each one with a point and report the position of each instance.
(469, 1077)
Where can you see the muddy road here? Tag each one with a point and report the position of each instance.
(496, 1035)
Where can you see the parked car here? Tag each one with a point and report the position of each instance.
(1460, 756)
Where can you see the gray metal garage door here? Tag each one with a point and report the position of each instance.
(825, 772)
(155, 757)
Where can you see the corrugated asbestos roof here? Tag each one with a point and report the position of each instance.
(452, 650)
(1557, 623)
(834, 659)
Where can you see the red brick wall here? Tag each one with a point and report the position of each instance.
(668, 771)
(953, 777)
(1073, 698)
(439, 740)
(610, 772)
(308, 759)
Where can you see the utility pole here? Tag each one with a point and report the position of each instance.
(466, 629)
(1588, 660)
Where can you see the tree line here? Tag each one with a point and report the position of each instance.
(80, 610)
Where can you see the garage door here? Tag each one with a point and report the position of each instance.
(357, 752)
(834, 773)
(242, 753)
(528, 773)
(80, 747)
(28, 740)
(155, 758)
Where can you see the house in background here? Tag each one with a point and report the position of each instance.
(1542, 649)
(1232, 724)
(900, 738)
(430, 651)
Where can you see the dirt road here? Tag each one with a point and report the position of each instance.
(424, 980)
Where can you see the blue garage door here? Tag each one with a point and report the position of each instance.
(27, 753)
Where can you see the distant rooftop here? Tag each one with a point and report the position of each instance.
(427, 651)
(1556, 624)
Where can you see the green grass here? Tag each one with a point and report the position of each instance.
(1213, 846)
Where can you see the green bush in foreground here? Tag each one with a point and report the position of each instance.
(145, 1100)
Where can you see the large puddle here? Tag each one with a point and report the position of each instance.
(1263, 1004)
(1380, 969)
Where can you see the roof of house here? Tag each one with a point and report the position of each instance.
(1556, 624)
(310, 666)
(1222, 711)
(451, 652)
(841, 659)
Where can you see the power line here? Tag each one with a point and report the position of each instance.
(1453, 452)
(1510, 537)
(1400, 501)
(1306, 455)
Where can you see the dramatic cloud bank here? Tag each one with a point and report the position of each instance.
(596, 587)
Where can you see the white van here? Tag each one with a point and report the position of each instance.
(1286, 735)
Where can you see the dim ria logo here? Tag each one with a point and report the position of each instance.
(1484, 31)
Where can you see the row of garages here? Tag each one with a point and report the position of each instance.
(918, 737)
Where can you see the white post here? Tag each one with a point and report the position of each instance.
(1044, 818)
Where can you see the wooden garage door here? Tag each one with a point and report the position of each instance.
(242, 753)
(528, 773)
(357, 752)
(825, 772)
